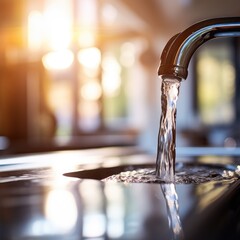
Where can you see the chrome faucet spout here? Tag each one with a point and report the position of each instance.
(178, 51)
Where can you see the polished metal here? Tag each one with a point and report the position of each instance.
(178, 52)
(38, 200)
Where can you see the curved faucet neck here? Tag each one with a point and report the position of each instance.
(178, 51)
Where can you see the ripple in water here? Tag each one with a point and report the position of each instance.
(184, 174)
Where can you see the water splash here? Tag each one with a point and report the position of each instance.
(185, 174)
(165, 162)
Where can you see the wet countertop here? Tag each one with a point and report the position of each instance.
(38, 202)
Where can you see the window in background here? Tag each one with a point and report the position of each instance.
(215, 72)
(89, 61)
(68, 73)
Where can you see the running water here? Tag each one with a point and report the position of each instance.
(164, 171)
(165, 163)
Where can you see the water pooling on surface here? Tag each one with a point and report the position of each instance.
(185, 174)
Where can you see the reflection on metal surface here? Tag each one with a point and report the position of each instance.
(211, 192)
(94, 219)
(115, 210)
(61, 210)
(92, 209)
(47, 205)
(94, 225)
(171, 197)
(114, 213)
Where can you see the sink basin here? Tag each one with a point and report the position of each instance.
(42, 196)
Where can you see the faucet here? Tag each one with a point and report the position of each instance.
(178, 51)
(175, 59)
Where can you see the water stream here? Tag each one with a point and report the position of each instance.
(164, 171)
(165, 163)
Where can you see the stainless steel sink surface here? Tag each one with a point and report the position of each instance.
(38, 200)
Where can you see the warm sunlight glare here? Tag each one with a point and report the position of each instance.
(127, 57)
(35, 30)
(86, 39)
(57, 24)
(91, 91)
(58, 60)
(111, 80)
(109, 14)
(90, 57)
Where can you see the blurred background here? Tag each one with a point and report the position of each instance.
(78, 74)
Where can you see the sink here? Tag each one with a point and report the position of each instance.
(59, 195)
